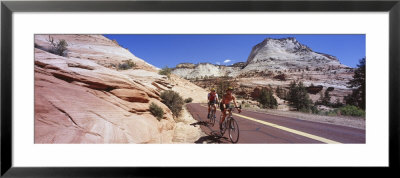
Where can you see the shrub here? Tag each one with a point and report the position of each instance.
(281, 77)
(156, 111)
(350, 110)
(165, 71)
(267, 100)
(59, 47)
(188, 100)
(315, 110)
(305, 110)
(128, 64)
(333, 112)
(173, 100)
(337, 104)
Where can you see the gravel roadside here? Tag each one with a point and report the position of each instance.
(184, 131)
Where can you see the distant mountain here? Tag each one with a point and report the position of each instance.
(273, 63)
(287, 53)
(270, 55)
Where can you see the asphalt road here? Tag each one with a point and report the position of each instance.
(256, 127)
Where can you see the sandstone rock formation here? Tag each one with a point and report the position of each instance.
(84, 98)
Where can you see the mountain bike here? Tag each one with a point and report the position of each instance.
(232, 126)
(212, 116)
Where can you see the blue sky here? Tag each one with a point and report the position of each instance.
(170, 50)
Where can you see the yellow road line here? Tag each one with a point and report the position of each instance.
(321, 139)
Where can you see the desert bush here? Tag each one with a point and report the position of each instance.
(156, 111)
(173, 100)
(127, 64)
(350, 110)
(165, 71)
(334, 112)
(315, 110)
(59, 47)
(188, 100)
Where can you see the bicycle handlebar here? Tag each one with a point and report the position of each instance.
(240, 107)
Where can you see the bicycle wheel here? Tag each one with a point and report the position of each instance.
(212, 117)
(233, 130)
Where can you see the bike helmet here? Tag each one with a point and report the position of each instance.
(212, 89)
(230, 88)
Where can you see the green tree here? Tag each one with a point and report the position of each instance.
(325, 99)
(357, 97)
(292, 94)
(266, 99)
(298, 97)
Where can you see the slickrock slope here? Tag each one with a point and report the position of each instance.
(83, 98)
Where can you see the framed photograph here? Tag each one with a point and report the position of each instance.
(130, 88)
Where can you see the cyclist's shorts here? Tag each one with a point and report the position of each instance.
(224, 106)
(212, 102)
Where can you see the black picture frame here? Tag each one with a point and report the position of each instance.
(8, 7)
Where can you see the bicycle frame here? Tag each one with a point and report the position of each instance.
(229, 115)
(212, 116)
(227, 123)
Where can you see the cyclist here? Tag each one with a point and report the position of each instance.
(212, 101)
(225, 104)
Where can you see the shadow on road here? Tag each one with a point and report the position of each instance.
(214, 137)
(200, 123)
